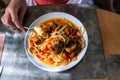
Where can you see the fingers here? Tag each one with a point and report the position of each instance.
(16, 21)
(7, 21)
(10, 18)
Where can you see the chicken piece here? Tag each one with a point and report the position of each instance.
(71, 48)
(72, 44)
(58, 47)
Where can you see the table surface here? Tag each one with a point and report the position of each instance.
(109, 24)
(109, 28)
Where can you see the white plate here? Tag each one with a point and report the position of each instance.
(56, 15)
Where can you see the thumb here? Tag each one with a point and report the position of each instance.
(16, 21)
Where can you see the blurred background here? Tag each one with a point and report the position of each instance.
(99, 3)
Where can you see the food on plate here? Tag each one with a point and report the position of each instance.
(56, 42)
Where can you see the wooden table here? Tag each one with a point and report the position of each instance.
(110, 28)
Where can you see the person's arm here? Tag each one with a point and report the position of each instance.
(14, 14)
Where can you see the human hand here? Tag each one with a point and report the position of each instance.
(14, 14)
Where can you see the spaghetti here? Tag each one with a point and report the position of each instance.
(56, 42)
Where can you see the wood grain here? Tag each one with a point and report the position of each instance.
(110, 30)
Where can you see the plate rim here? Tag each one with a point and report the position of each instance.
(55, 69)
